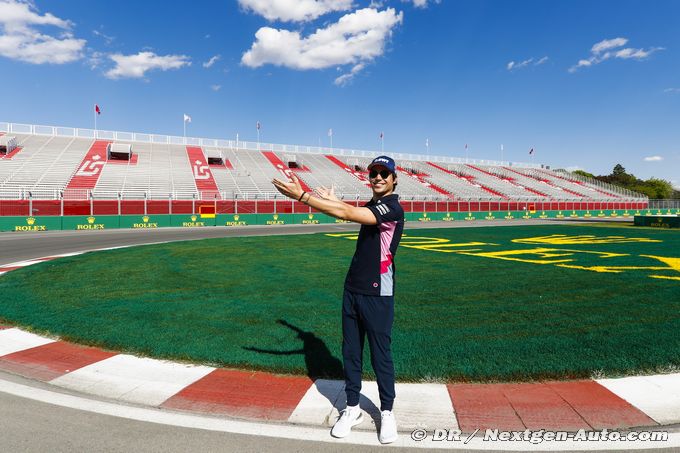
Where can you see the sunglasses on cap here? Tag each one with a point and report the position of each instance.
(384, 174)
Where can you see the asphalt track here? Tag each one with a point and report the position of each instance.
(35, 417)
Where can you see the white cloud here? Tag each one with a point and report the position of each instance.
(216, 87)
(672, 90)
(108, 39)
(20, 40)
(653, 159)
(608, 44)
(604, 50)
(421, 3)
(346, 78)
(531, 61)
(136, 66)
(294, 10)
(356, 39)
(212, 61)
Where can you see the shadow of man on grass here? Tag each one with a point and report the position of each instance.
(322, 368)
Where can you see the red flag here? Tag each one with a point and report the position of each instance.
(97, 109)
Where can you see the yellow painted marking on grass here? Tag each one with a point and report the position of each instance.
(665, 277)
(563, 239)
(545, 255)
(612, 269)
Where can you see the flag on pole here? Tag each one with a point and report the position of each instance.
(382, 135)
(258, 125)
(97, 110)
(427, 142)
(330, 132)
(187, 118)
(531, 151)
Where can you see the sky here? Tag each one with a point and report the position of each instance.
(586, 84)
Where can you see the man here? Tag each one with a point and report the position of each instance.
(368, 300)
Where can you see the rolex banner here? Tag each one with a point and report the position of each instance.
(92, 222)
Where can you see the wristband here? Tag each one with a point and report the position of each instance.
(303, 194)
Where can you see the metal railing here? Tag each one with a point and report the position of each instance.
(60, 131)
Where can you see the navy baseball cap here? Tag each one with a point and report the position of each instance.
(386, 162)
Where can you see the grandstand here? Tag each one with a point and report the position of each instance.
(67, 164)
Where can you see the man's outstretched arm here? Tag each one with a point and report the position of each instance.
(334, 208)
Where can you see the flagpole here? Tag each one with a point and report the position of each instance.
(184, 124)
(501, 154)
(95, 122)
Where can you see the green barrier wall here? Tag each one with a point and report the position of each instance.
(235, 219)
(145, 221)
(30, 223)
(191, 221)
(99, 222)
(195, 221)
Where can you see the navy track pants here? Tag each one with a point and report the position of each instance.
(368, 316)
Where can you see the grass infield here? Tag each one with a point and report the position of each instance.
(472, 304)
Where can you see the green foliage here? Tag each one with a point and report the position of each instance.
(274, 303)
(653, 187)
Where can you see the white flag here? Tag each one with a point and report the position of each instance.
(187, 118)
(330, 132)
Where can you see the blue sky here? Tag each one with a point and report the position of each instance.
(587, 84)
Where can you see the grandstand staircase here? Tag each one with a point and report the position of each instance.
(205, 182)
(346, 167)
(580, 184)
(469, 179)
(283, 168)
(547, 181)
(420, 177)
(90, 168)
(508, 180)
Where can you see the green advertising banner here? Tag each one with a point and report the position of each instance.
(313, 219)
(191, 221)
(144, 221)
(276, 219)
(236, 219)
(44, 223)
(100, 222)
(658, 221)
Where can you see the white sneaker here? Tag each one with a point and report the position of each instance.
(388, 427)
(348, 418)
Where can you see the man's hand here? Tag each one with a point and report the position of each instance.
(326, 193)
(289, 189)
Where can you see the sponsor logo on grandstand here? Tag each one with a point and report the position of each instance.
(145, 223)
(310, 220)
(559, 215)
(30, 226)
(509, 216)
(275, 220)
(236, 221)
(91, 167)
(341, 221)
(447, 217)
(543, 215)
(573, 214)
(626, 213)
(470, 217)
(614, 214)
(91, 225)
(424, 218)
(490, 216)
(602, 214)
(587, 215)
(201, 171)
